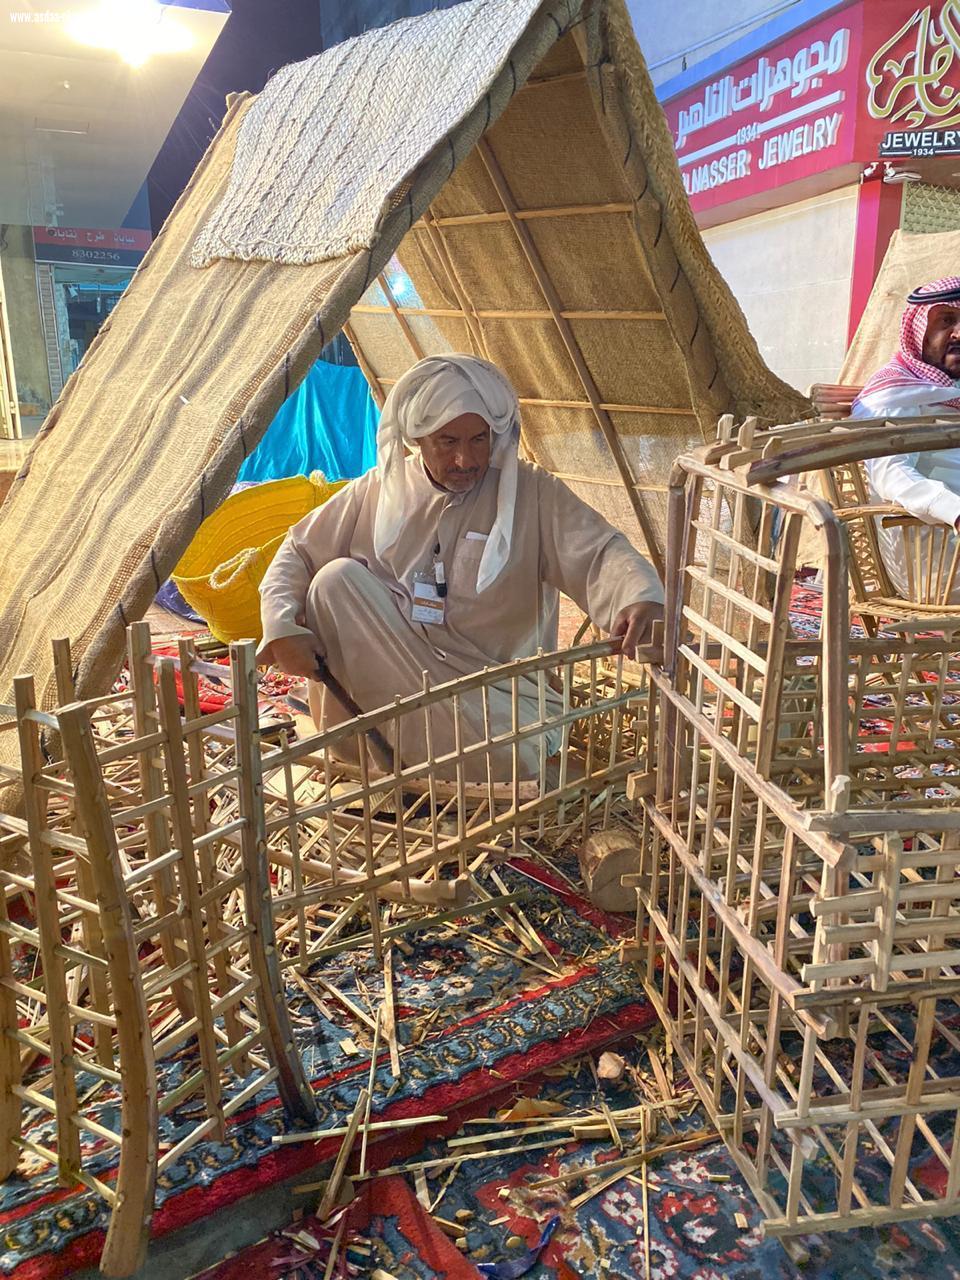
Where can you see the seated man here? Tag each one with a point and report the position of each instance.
(446, 561)
(922, 378)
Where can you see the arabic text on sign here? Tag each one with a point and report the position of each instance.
(907, 75)
(804, 71)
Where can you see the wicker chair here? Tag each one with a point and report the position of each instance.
(932, 569)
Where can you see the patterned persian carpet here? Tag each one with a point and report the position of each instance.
(472, 1021)
(693, 1197)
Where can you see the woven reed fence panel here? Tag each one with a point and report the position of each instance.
(929, 209)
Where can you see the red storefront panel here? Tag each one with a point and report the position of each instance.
(813, 108)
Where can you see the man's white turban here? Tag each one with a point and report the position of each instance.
(423, 400)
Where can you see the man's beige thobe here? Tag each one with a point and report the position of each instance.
(327, 581)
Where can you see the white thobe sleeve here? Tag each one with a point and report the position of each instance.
(587, 559)
(324, 535)
(897, 479)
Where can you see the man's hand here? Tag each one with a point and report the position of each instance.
(635, 624)
(296, 655)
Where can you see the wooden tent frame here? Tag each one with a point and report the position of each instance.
(129, 862)
(576, 61)
(836, 457)
(577, 58)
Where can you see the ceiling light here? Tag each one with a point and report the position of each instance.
(135, 29)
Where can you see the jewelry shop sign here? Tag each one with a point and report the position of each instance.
(820, 101)
(913, 83)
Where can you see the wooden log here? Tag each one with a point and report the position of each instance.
(604, 858)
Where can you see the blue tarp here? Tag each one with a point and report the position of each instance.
(328, 424)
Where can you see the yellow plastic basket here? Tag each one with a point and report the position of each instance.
(219, 574)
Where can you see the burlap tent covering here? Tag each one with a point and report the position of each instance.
(192, 365)
(912, 259)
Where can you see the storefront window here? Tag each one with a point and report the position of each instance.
(84, 297)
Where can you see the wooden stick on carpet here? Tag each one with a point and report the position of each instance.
(328, 1203)
(370, 1083)
(646, 1203)
(335, 1249)
(389, 1019)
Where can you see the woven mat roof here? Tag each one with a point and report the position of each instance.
(549, 231)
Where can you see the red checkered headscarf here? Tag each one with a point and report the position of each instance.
(908, 366)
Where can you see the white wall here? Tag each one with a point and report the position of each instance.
(669, 29)
(790, 271)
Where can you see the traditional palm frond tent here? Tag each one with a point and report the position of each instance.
(540, 222)
(911, 259)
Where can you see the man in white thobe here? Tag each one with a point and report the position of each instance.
(447, 558)
(922, 378)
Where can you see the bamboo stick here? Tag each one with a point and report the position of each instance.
(272, 1012)
(475, 328)
(376, 1126)
(48, 931)
(371, 1080)
(403, 313)
(129, 1223)
(387, 1014)
(329, 1198)
(373, 382)
(557, 211)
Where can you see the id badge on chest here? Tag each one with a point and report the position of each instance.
(428, 605)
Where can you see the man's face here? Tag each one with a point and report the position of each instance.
(941, 345)
(458, 454)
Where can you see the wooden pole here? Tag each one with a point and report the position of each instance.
(492, 165)
(292, 1083)
(556, 211)
(129, 1227)
(451, 313)
(187, 877)
(400, 315)
(146, 722)
(374, 383)
(10, 428)
(469, 314)
(48, 924)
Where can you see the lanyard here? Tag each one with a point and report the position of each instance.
(439, 577)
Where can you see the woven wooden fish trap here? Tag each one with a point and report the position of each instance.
(173, 866)
(798, 888)
(461, 780)
(134, 934)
